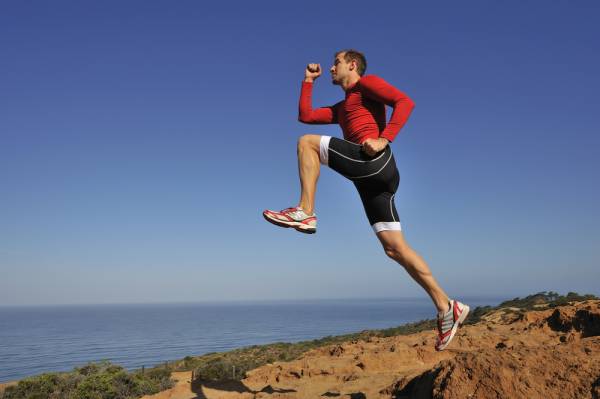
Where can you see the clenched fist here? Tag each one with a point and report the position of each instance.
(312, 72)
(373, 146)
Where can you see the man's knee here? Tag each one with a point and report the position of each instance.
(309, 141)
(397, 252)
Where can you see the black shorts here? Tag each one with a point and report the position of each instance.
(376, 178)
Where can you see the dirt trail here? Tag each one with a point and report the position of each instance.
(181, 390)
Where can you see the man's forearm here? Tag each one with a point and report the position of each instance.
(306, 112)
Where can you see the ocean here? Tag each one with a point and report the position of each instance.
(40, 339)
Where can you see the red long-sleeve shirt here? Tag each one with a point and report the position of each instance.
(361, 115)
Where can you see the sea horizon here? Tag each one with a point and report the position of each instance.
(248, 301)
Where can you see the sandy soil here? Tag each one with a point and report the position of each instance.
(181, 390)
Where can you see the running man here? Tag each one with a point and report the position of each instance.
(365, 157)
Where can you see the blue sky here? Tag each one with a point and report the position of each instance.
(140, 142)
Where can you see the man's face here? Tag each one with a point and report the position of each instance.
(340, 69)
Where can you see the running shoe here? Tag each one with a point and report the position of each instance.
(293, 217)
(448, 323)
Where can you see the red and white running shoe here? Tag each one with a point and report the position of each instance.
(293, 217)
(449, 322)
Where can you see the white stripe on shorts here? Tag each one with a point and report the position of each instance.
(324, 150)
(381, 226)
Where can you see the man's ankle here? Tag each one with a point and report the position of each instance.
(446, 309)
(306, 211)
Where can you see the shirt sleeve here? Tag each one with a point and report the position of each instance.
(309, 115)
(379, 90)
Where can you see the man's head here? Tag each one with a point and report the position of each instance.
(347, 64)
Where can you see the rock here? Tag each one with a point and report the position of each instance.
(336, 350)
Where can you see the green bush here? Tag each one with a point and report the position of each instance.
(93, 381)
(215, 370)
(40, 387)
(552, 299)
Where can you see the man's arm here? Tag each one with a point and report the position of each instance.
(306, 113)
(379, 90)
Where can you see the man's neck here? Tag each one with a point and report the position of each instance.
(351, 81)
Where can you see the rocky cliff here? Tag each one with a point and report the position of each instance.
(544, 353)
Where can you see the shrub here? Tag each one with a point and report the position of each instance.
(40, 387)
(93, 381)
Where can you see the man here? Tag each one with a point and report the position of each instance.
(364, 157)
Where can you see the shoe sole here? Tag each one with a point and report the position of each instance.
(458, 323)
(295, 225)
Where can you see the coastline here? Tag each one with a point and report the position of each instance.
(134, 336)
(546, 335)
(291, 351)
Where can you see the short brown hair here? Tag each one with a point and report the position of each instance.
(354, 55)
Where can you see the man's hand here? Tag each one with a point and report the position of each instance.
(312, 72)
(373, 146)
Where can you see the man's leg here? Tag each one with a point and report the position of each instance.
(308, 169)
(397, 248)
(304, 220)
